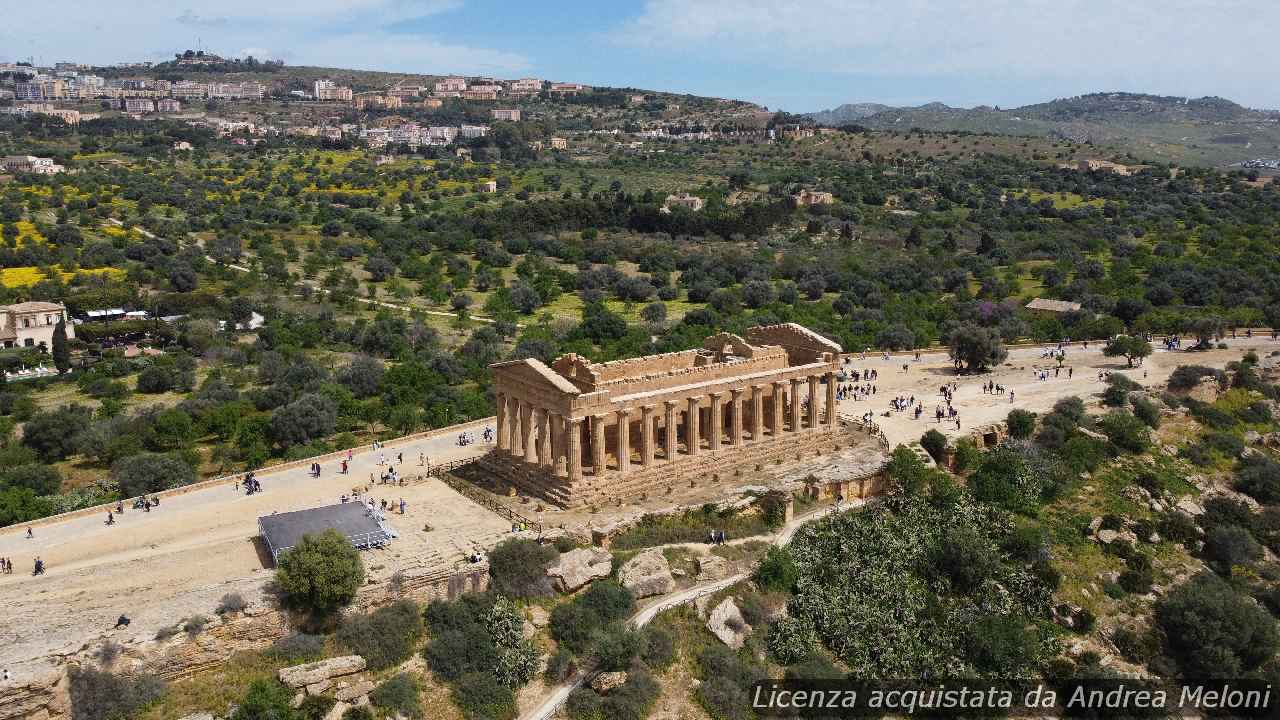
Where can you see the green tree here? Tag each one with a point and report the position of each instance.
(1022, 424)
(1129, 347)
(975, 348)
(321, 573)
(1214, 631)
(518, 568)
(61, 351)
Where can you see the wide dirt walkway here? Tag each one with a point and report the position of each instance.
(179, 559)
(923, 379)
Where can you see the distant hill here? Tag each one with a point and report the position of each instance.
(1203, 131)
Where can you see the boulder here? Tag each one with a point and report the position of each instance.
(1206, 391)
(726, 622)
(1106, 537)
(351, 692)
(1190, 507)
(321, 670)
(578, 567)
(198, 716)
(605, 682)
(647, 574)
(1252, 437)
(318, 688)
(337, 711)
(713, 567)
(1094, 524)
(539, 616)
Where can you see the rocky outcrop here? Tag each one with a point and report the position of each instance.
(605, 682)
(713, 567)
(44, 695)
(539, 616)
(321, 671)
(578, 567)
(1206, 391)
(726, 622)
(647, 574)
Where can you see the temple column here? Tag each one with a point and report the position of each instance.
(795, 405)
(517, 428)
(692, 432)
(529, 431)
(597, 445)
(545, 458)
(503, 441)
(779, 407)
(647, 441)
(560, 429)
(813, 402)
(831, 399)
(715, 428)
(669, 431)
(573, 441)
(624, 441)
(757, 413)
(735, 417)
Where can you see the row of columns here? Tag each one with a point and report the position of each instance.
(544, 438)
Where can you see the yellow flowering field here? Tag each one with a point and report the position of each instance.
(27, 276)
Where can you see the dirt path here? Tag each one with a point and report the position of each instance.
(560, 694)
(923, 379)
(180, 558)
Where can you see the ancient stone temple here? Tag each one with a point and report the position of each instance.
(580, 432)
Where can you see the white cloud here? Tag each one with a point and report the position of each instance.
(1155, 45)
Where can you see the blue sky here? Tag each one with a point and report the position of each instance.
(797, 55)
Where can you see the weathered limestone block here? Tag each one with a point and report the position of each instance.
(337, 711)
(1206, 391)
(726, 622)
(647, 574)
(351, 692)
(713, 567)
(321, 670)
(579, 567)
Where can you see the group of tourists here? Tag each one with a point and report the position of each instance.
(251, 483)
(849, 391)
(715, 537)
(993, 388)
(6, 566)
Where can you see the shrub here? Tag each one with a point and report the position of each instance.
(560, 666)
(195, 625)
(967, 455)
(777, 572)
(1185, 377)
(610, 601)
(966, 558)
(231, 603)
(518, 568)
(659, 648)
(321, 573)
(1260, 479)
(1002, 645)
(358, 713)
(40, 479)
(1026, 543)
(96, 694)
(934, 443)
(1147, 412)
(1125, 431)
(1213, 631)
(266, 699)
(1022, 424)
(480, 698)
(584, 704)
(573, 626)
(616, 648)
(384, 637)
(149, 472)
(791, 640)
(398, 695)
(1178, 527)
(1210, 416)
(1222, 510)
(1136, 580)
(1230, 545)
(460, 642)
(1115, 396)
(315, 707)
